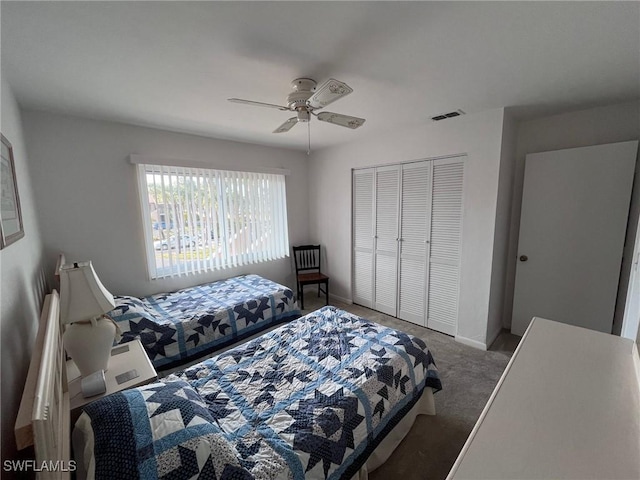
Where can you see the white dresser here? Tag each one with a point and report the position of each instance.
(567, 406)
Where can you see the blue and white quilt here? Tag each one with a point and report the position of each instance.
(311, 399)
(178, 327)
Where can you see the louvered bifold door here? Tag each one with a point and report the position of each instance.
(386, 239)
(363, 204)
(414, 235)
(446, 236)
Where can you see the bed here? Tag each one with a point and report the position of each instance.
(329, 395)
(43, 417)
(179, 327)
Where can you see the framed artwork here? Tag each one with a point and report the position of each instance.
(11, 228)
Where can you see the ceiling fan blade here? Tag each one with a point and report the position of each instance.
(257, 104)
(329, 92)
(286, 126)
(342, 120)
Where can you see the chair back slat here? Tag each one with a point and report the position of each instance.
(307, 257)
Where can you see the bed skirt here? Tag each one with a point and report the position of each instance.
(425, 406)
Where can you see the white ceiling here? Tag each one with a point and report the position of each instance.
(172, 65)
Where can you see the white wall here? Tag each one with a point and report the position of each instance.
(608, 124)
(88, 201)
(503, 222)
(22, 285)
(477, 135)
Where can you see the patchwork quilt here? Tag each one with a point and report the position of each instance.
(177, 327)
(311, 399)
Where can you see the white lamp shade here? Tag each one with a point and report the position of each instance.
(83, 296)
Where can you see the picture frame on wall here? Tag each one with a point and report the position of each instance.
(11, 227)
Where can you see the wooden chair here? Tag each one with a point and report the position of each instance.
(307, 260)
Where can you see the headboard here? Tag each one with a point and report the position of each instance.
(43, 419)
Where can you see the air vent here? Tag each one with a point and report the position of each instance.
(444, 116)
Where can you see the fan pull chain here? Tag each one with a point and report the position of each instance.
(309, 138)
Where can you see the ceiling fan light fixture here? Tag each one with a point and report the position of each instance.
(303, 115)
(305, 99)
(297, 100)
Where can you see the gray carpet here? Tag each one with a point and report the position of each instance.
(468, 377)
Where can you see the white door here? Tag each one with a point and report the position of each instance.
(631, 319)
(414, 234)
(575, 205)
(386, 239)
(363, 208)
(445, 245)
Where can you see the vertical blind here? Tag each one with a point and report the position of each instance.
(198, 220)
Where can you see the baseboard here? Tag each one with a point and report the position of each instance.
(340, 299)
(471, 343)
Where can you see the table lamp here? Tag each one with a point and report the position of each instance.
(83, 302)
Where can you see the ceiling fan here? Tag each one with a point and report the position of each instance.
(306, 99)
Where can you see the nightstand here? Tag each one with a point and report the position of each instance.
(124, 358)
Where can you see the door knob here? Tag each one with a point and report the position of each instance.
(523, 258)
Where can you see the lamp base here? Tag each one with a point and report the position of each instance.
(89, 344)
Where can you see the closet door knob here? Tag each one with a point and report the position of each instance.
(523, 258)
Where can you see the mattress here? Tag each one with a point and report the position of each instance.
(179, 327)
(311, 399)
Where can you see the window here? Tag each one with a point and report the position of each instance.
(197, 220)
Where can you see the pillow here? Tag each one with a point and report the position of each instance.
(130, 308)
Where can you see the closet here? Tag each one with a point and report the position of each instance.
(407, 231)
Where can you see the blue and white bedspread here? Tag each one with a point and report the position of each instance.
(178, 327)
(311, 399)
